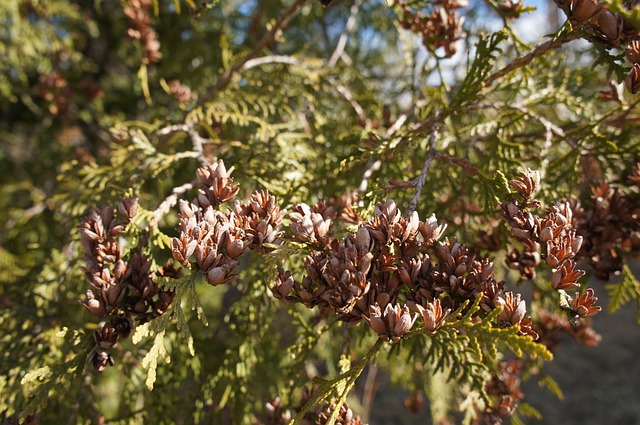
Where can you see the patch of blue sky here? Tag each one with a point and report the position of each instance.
(246, 7)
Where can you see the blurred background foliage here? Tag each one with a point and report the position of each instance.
(88, 117)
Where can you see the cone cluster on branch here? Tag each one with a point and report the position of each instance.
(504, 391)
(392, 271)
(552, 326)
(275, 414)
(608, 29)
(608, 223)
(54, 88)
(182, 92)
(440, 27)
(606, 228)
(125, 290)
(216, 239)
(140, 29)
(555, 232)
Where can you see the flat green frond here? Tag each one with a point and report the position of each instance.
(624, 291)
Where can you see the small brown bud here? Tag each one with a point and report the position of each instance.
(546, 234)
(526, 328)
(633, 79)
(140, 307)
(128, 208)
(513, 308)
(512, 209)
(433, 316)
(633, 51)
(376, 321)
(527, 185)
(100, 359)
(95, 305)
(610, 25)
(106, 337)
(119, 269)
(117, 230)
(576, 244)
(363, 240)
(283, 285)
(216, 276)
(521, 233)
(583, 10)
(583, 304)
(123, 325)
(566, 277)
(403, 321)
(404, 276)
(552, 261)
(393, 323)
(430, 230)
(112, 295)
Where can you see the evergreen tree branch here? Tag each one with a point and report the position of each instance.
(342, 42)
(325, 389)
(433, 138)
(375, 163)
(346, 93)
(270, 59)
(267, 38)
(196, 138)
(373, 166)
(549, 127)
(525, 59)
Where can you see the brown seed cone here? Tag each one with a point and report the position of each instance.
(610, 27)
(633, 51)
(633, 79)
(583, 10)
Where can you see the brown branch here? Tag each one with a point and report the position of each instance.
(267, 38)
(198, 141)
(375, 163)
(433, 138)
(270, 59)
(342, 42)
(525, 59)
(550, 128)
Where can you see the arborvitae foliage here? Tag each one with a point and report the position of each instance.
(226, 212)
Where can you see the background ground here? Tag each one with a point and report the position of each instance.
(601, 384)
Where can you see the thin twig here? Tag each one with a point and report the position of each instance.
(525, 59)
(433, 138)
(25, 215)
(290, 60)
(282, 21)
(196, 138)
(369, 391)
(164, 131)
(375, 163)
(359, 110)
(342, 41)
(347, 95)
(550, 128)
(373, 166)
(169, 202)
(397, 125)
